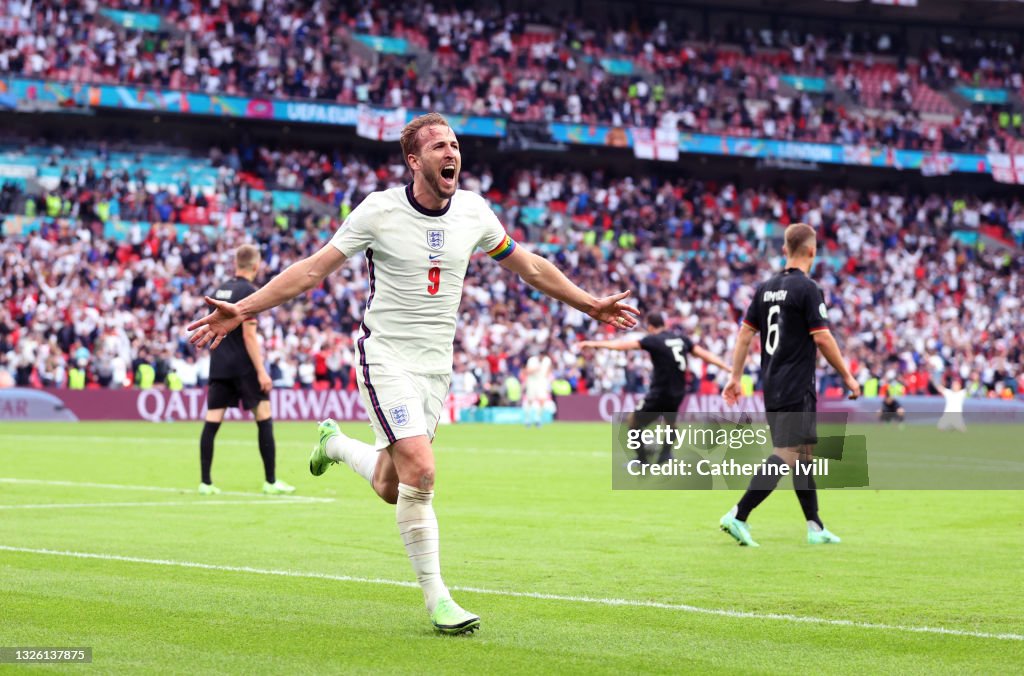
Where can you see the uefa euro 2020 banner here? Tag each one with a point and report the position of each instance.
(16, 92)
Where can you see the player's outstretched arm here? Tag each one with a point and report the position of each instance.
(620, 345)
(711, 358)
(733, 391)
(937, 384)
(830, 350)
(297, 278)
(549, 280)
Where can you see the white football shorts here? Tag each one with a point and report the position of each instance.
(401, 404)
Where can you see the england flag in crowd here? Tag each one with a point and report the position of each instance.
(656, 144)
(1007, 168)
(380, 125)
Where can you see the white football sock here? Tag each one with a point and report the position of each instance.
(418, 527)
(361, 457)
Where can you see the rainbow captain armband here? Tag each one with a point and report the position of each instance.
(503, 250)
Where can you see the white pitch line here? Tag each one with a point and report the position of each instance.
(680, 607)
(199, 503)
(157, 489)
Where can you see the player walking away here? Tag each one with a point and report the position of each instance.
(237, 374)
(539, 373)
(892, 410)
(790, 314)
(418, 242)
(953, 413)
(668, 350)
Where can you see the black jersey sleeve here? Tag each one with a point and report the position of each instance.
(241, 291)
(753, 316)
(815, 312)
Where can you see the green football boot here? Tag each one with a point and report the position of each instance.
(449, 618)
(822, 537)
(208, 489)
(278, 488)
(318, 460)
(739, 530)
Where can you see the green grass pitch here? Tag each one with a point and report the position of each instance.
(104, 543)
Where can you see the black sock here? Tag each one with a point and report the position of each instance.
(206, 449)
(267, 449)
(807, 493)
(761, 486)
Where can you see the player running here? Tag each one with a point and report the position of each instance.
(418, 242)
(668, 350)
(790, 314)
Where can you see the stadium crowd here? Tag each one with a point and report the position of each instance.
(908, 298)
(525, 67)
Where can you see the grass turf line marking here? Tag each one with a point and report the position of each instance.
(159, 489)
(202, 503)
(681, 607)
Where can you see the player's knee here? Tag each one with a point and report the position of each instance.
(423, 476)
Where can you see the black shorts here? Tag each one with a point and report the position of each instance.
(226, 392)
(656, 405)
(795, 424)
(889, 416)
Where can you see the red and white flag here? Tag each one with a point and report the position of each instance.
(656, 144)
(1007, 168)
(380, 125)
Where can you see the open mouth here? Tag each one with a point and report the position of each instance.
(448, 172)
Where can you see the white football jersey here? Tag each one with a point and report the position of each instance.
(417, 260)
(539, 374)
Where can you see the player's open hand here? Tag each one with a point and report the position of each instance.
(852, 385)
(611, 310)
(212, 328)
(732, 392)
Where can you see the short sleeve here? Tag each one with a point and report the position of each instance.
(357, 232)
(646, 343)
(242, 291)
(815, 311)
(495, 241)
(753, 318)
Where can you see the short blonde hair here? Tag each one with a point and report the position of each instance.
(798, 239)
(246, 256)
(409, 141)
